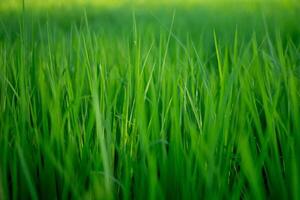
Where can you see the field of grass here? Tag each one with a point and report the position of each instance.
(181, 101)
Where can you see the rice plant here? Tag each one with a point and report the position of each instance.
(150, 101)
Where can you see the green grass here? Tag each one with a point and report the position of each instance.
(170, 102)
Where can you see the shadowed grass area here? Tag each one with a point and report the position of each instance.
(178, 102)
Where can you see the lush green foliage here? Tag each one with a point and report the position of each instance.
(174, 103)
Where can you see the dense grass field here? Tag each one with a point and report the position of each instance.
(171, 101)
